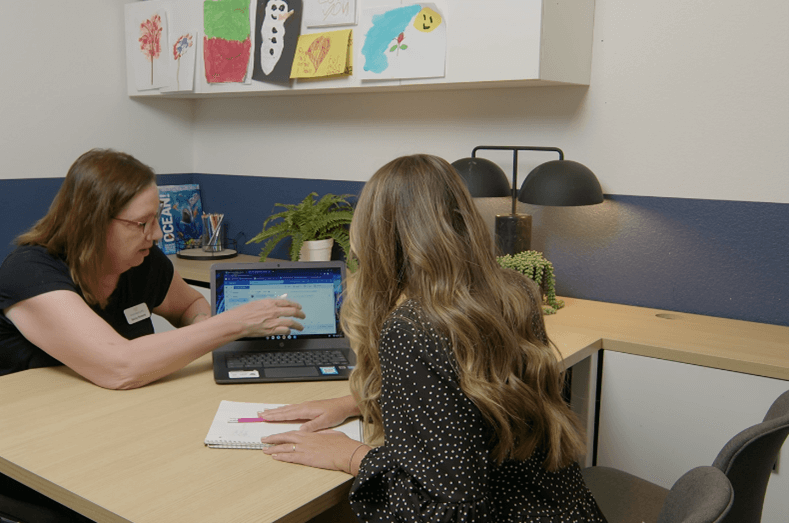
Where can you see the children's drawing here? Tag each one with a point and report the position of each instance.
(403, 42)
(323, 54)
(277, 29)
(427, 20)
(318, 50)
(183, 23)
(272, 33)
(151, 39)
(180, 49)
(146, 51)
(326, 13)
(227, 41)
(399, 44)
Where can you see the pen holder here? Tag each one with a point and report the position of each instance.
(213, 233)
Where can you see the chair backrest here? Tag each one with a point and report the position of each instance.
(701, 495)
(748, 459)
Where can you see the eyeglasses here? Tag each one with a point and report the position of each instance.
(146, 227)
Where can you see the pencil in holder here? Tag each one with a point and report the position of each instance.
(213, 232)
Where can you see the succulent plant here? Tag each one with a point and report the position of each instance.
(534, 265)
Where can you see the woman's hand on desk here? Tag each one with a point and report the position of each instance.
(322, 414)
(328, 449)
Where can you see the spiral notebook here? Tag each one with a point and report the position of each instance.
(225, 433)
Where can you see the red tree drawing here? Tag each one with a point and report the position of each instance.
(150, 39)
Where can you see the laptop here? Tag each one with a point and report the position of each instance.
(319, 352)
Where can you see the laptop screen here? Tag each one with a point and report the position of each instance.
(317, 288)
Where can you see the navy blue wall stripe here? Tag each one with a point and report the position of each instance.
(23, 203)
(246, 201)
(719, 258)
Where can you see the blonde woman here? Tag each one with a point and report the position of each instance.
(455, 372)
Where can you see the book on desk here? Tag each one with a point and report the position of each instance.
(227, 433)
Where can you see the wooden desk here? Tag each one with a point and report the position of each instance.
(121, 456)
(583, 326)
(198, 271)
(138, 455)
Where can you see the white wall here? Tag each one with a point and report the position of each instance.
(64, 92)
(687, 99)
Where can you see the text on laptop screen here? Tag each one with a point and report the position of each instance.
(317, 290)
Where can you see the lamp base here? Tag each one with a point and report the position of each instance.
(513, 233)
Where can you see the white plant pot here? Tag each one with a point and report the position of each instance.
(316, 250)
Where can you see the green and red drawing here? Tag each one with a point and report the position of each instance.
(227, 42)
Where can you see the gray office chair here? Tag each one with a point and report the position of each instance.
(747, 461)
(701, 495)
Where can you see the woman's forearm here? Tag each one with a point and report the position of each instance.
(198, 311)
(61, 324)
(349, 403)
(355, 462)
(149, 358)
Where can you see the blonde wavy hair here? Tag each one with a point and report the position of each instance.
(98, 185)
(416, 234)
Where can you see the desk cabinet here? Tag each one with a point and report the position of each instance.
(659, 419)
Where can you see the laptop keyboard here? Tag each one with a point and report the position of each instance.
(286, 359)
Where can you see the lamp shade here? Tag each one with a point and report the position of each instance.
(483, 178)
(561, 183)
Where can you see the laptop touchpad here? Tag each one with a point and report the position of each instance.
(291, 372)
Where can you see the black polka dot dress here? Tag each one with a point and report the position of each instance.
(435, 464)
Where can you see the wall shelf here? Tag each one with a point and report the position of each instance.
(509, 43)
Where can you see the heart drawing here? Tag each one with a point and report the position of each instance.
(318, 50)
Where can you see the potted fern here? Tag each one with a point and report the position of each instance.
(325, 220)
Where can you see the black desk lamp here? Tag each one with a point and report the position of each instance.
(559, 182)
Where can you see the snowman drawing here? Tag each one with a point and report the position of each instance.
(272, 33)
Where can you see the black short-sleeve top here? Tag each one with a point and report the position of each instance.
(436, 464)
(30, 271)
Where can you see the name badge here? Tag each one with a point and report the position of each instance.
(137, 313)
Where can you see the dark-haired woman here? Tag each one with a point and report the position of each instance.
(80, 287)
(455, 372)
